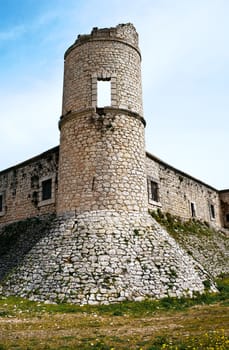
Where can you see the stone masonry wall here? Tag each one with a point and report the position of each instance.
(177, 190)
(104, 54)
(102, 149)
(102, 164)
(18, 238)
(102, 257)
(211, 251)
(20, 187)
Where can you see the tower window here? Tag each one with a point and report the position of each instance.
(212, 211)
(193, 209)
(103, 89)
(103, 93)
(46, 189)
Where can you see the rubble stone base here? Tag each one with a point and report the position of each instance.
(104, 257)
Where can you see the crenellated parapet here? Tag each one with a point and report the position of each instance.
(125, 33)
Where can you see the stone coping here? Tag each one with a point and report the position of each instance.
(101, 111)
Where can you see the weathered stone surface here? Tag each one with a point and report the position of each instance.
(137, 272)
(177, 190)
(21, 187)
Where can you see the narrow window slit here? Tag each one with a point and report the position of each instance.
(93, 183)
(212, 211)
(193, 209)
(1, 203)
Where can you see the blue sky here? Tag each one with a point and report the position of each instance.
(185, 70)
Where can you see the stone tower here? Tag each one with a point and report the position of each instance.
(102, 148)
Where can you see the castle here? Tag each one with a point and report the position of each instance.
(100, 183)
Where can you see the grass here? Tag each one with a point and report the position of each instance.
(205, 243)
(176, 225)
(172, 324)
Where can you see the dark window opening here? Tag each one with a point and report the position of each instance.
(154, 191)
(227, 217)
(46, 189)
(1, 202)
(193, 209)
(212, 211)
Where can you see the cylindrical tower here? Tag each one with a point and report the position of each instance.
(102, 147)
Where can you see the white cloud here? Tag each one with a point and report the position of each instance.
(12, 33)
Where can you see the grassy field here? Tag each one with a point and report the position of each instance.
(199, 323)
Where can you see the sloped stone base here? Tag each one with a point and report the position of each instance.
(104, 257)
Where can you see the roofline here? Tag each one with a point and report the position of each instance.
(224, 191)
(30, 160)
(151, 156)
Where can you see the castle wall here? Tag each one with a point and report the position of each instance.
(21, 188)
(224, 200)
(104, 257)
(102, 167)
(181, 195)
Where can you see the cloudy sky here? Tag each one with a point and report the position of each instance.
(185, 70)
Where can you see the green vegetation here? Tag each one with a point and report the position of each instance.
(203, 242)
(172, 324)
(194, 323)
(174, 225)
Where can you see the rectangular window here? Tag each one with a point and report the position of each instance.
(193, 210)
(1, 203)
(46, 190)
(154, 191)
(212, 211)
(227, 217)
(103, 93)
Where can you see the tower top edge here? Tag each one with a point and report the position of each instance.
(124, 32)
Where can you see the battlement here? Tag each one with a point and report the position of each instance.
(123, 32)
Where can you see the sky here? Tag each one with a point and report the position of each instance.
(185, 76)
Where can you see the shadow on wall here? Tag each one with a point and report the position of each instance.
(18, 238)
